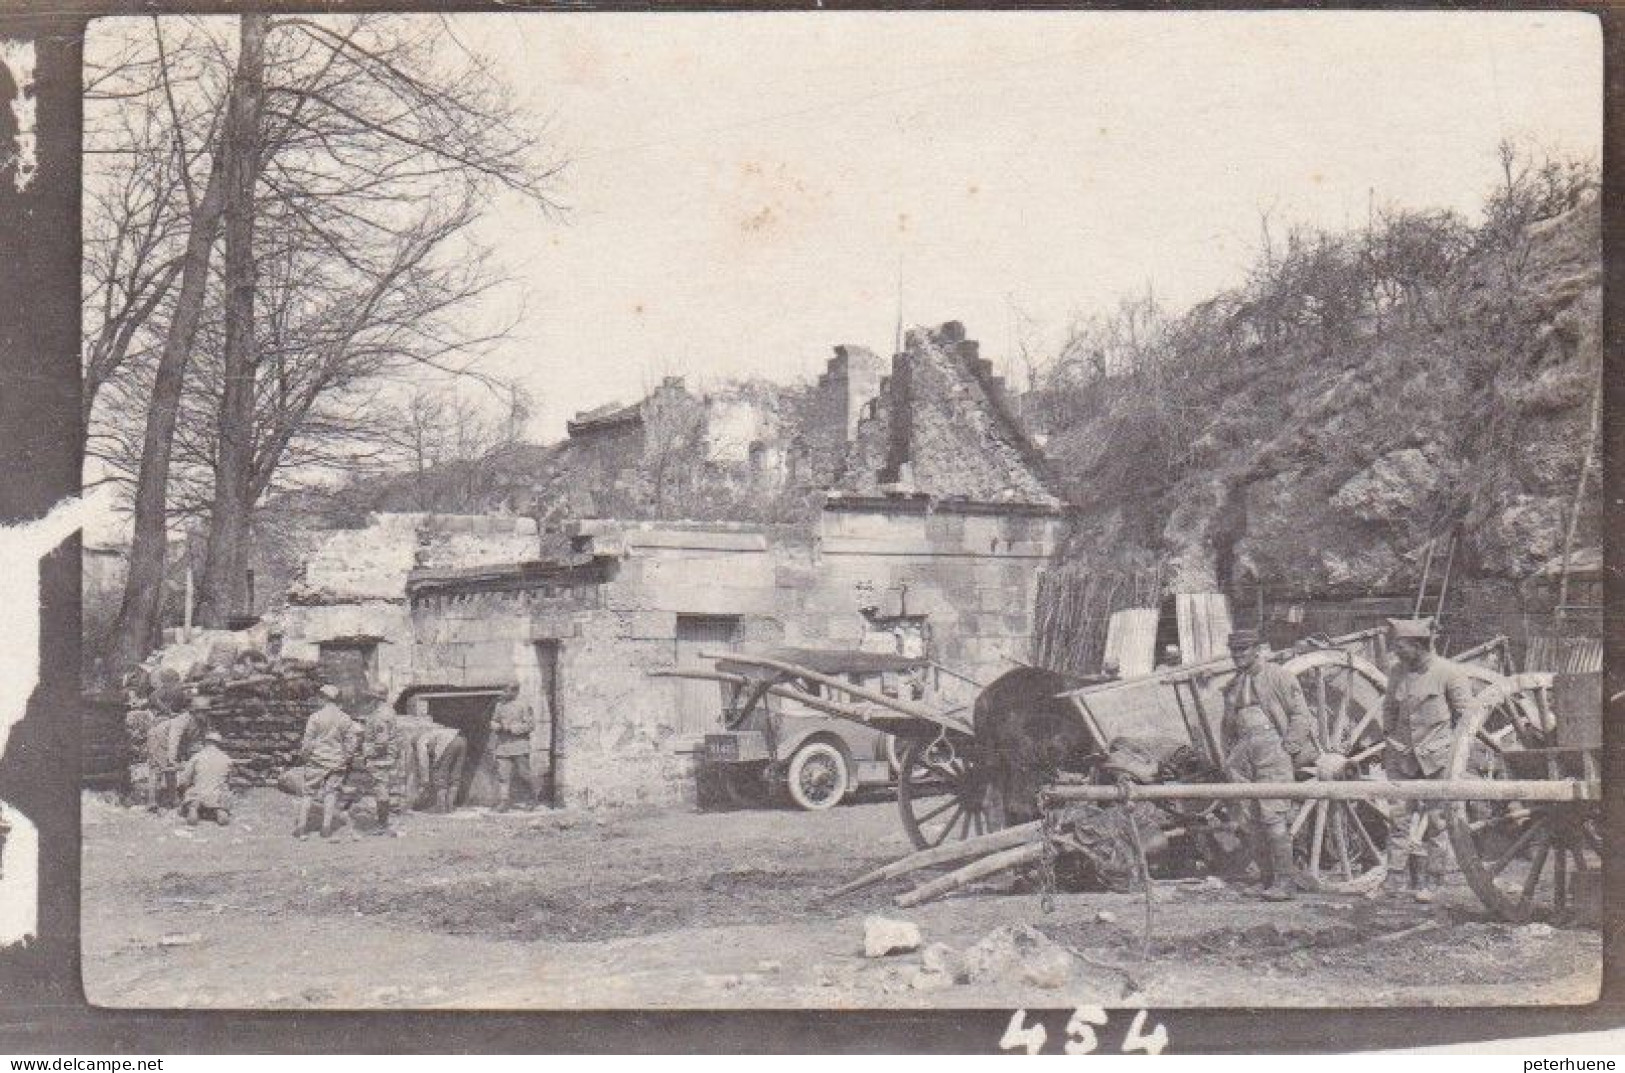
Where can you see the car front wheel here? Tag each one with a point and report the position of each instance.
(817, 777)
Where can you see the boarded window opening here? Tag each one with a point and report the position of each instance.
(699, 704)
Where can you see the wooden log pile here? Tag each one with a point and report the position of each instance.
(259, 709)
(1092, 843)
(262, 720)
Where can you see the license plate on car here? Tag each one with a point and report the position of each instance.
(722, 748)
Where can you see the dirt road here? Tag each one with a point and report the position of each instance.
(559, 910)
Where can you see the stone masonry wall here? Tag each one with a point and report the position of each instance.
(973, 577)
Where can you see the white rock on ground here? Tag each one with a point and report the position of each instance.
(1018, 952)
(884, 935)
(940, 958)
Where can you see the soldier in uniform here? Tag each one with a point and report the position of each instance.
(381, 758)
(440, 753)
(1268, 733)
(1427, 695)
(205, 782)
(170, 743)
(512, 725)
(331, 743)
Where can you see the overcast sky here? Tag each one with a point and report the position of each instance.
(747, 190)
(744, 187)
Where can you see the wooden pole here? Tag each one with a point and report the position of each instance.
(987, 866)
(896, 704)
(1352, 790)
(948, 854)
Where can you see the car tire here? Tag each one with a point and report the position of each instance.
(817, 777)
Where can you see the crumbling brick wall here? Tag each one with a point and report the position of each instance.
(830, 414)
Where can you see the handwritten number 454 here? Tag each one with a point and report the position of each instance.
(1080, 1033)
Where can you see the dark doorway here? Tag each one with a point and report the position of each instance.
(349, 663)
(470, 712)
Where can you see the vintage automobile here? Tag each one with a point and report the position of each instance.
(776, 740)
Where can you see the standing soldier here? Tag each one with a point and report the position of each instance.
(1427, 695)
(381, 757)
(513, 725)
(332, 740)
(1268, 733)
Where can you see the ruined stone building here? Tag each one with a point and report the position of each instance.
(935, 519)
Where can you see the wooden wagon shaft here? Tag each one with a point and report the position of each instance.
(896, 704)
(997, 862)
(944, 854)
(830, 707)
(1213, 668)
(1353, 790)
(702, 676)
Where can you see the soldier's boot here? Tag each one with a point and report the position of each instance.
(442, 800)
(1421, 881)
(383, 815)
(189, 812)
(1282, 878)
(301, 826)
(222, 816)
(330, 816)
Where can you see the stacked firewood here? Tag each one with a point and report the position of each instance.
(262, 719)
(258, 706)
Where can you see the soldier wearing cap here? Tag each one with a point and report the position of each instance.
(381, 772)
(331, 743)
(204, 780)
(170, 743)
(1268, 734)
(1427, 695)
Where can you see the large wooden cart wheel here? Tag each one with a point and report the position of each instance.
(1520, 857)
(942, 792)
(1343, 845)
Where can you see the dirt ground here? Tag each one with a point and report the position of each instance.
(680, 909)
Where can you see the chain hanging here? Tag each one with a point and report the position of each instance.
(1049, 827)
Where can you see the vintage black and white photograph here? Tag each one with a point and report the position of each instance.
(863, 510)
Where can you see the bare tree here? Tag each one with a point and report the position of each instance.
(225, 570)
(136, 629)
(367, 137)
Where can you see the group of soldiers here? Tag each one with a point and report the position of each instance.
(1269, 735)
(354, 748)
(363, 749)
(187, 765)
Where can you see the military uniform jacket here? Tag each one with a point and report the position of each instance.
(205, 778)
(512, 724)
(332, 739)
(1272, 689)
(1421, 709)
(381, 744)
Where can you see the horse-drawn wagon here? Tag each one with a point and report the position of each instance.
(1522, 788)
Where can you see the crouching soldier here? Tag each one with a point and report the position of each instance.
(331, 742)
(439, 754)
(1268, 733)
(170, 743)
(1427, 696)
(204, 781)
